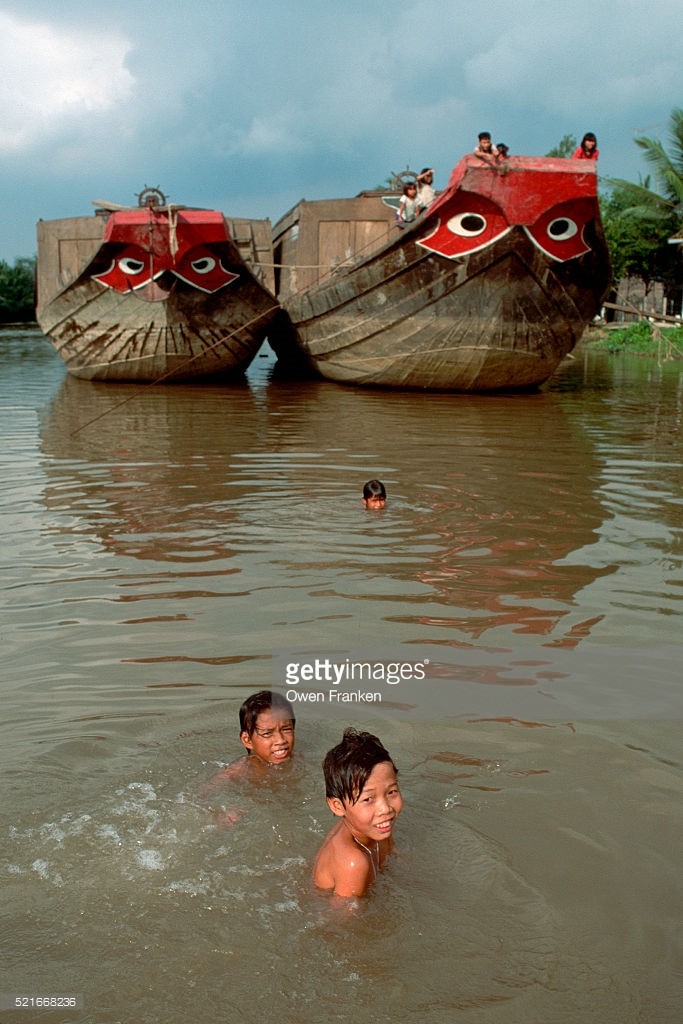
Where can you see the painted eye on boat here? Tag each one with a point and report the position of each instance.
(560, 231)
(204, 265)
(562, 228)
(467, 225)
(128, 265)
(203, 270)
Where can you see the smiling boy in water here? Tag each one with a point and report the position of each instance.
(267, 725)
(362, 791)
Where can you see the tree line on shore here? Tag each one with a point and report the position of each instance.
(638, 220)
(17, 291)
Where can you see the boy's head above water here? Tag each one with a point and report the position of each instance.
(362, 792)
(267, 726)
(374, 494)
(348, 766)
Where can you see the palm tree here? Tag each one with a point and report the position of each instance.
(652, 217)
(666, 204)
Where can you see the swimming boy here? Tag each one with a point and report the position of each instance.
(362, 791)
(267, 725)
(374, 494)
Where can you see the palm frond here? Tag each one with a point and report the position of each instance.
(676, 138)
(668, 167)
(644, 196)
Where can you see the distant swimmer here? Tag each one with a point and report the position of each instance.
(374, 494)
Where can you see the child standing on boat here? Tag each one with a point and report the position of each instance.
(407, 207)
(425, 188)
(362, 791)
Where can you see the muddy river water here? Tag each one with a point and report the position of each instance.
(168, 550)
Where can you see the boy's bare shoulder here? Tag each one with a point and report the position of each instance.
(341, 866)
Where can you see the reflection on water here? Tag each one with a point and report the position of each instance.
(149, 474)
(161, 544)
(242, 513)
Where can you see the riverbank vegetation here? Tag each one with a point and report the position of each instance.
(641, 221)
(640, 339)
(17, 291)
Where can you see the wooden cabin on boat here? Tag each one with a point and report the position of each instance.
(317, 238)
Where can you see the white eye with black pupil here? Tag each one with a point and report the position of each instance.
(130, 266)
(203, 266)
(562, 228)
(467, 225)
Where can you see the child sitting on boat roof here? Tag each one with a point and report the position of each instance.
(485, 148)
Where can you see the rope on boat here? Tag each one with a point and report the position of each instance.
(307, 266)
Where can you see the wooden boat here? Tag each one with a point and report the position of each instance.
(154, 292)
(488, 290)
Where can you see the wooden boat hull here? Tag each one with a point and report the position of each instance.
(108, 326)
(463, 312)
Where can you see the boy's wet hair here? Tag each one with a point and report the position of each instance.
(374, 489)
(347, 767)
(264, 700)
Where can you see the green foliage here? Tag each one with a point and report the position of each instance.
(565, 147)
(17, 290)
(639, 220)
(664, 206)
(638, 243)
(668, 166)
(642, 338)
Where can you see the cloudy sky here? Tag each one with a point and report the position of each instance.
(250, 105)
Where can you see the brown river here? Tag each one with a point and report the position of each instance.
(168, 550)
